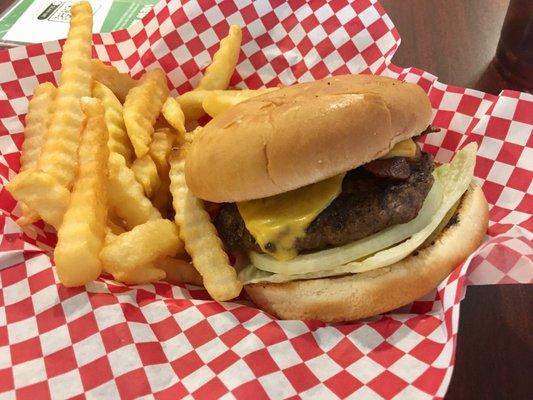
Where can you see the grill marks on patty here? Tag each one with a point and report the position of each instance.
(367, 204)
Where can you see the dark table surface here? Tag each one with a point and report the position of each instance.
(456, 40)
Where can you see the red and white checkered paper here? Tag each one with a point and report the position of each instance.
(108, 340)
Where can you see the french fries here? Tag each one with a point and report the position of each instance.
(218, 101)
(59, 153)
(191, 104)
(38, 119)
(145, 274)
(145, 172)
(162, 199)
(200, 237)
(119, 83)
(218, 74)
(42, 193)
(118, 142)
(174, 114)
(160, 148)
(114, 224)
(40, 188)
(81, 235)
(196, 103)
(179, 271)
(90, 165)
(141, 246)
(142, 107)
(126, 195)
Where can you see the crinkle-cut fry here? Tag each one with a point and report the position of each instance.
(38, 118)
(218, 101)
(160, 148)
(142, 245)
(142, 107)
(126, 195)
(200, 237)
(80, 238)
(146, 174)
(59, 152)
(28, 216)
(218, 74)
(189, 136)
(42, 193)
(110, 235)
(40, 109)
(162, 199)
(191, 104)
(118, 142)
(179, 271)
(114, 227)
(174, 114)
(139, 276)
(120, 83)
(162, 123)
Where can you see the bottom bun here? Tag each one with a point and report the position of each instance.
(357, 296)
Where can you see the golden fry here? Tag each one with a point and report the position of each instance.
(179, 271)
(218, 74)
(59, 153)
(162, 199)
(118, 142)
(174, 114)
(160, 148)
(120, 83)
(142, 107)
(146, 174)
(81, 235)
(218, 101)
(142, 245)
(38, 118)
(126, 195)
(200, 237)
(114, 224)
(40, 187)
(191, 104)
(144, 274)
(42, 193)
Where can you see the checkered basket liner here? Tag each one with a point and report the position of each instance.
(108, 340)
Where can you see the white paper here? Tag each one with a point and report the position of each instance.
(32, 27)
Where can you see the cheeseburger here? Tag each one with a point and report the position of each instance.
(331, 207)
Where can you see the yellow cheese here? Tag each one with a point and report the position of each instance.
(277, 222)
(405, 148)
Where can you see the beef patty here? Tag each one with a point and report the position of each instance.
(368, 203)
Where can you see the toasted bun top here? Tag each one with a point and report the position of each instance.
(357, 296)
(302, 134)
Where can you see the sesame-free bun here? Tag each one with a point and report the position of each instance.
(374, 292)
(302, 134)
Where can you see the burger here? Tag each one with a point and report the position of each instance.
(332, 209)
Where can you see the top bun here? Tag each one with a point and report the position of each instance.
(302, 134)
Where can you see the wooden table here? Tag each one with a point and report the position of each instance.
(495, 343)
(456, 41)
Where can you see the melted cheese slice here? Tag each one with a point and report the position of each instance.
(277, 222)
(405, 148)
